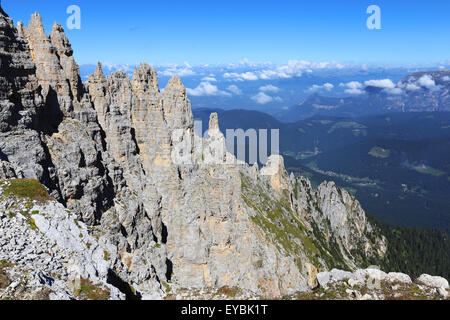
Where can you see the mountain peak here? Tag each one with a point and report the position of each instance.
(214, 122)
(175, 83)
(60, 41)
(21, 29)
(36, 21)
(99, 71)
(145, 77)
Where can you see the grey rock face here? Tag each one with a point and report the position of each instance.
(65, 54)
(68, 129)
(380, 286)
(137, 204)
(20, 99)
(20, 104)
(48, 252)
(50, 74)
(435, 282)
(332, 211)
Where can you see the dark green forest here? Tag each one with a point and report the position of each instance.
(415, 251)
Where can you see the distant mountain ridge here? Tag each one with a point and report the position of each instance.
(418, 92)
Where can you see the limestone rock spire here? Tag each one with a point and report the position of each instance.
(36, 24)
(98, 74)
(56, 69)
(60, 40)
(275, 170)
(214, 122)
(177, 107)
(64, 50)
(175, 83)
(21, 29)
(145, 79)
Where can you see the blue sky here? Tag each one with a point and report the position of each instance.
(219, 31)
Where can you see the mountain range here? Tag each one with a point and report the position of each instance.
(417, 92)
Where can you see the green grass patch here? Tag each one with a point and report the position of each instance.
(380, 153)
(32, 224)
(229, 292)
(166, 286)
(89, 291)
(346, 125)
(430, 171)
(25, 189)
(4, 280)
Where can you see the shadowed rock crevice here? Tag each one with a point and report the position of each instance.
(164, 234)
(3, 157)
(123, 286)
(51, 115)
(50, 178)
(169, 271)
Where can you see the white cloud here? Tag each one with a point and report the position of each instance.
(181, 71)
(278, 99)
(273, 74)
(127, 68)
(235, 89)
(209, 79)
(267, 71)
(354, 91)
(249, 76)
(394, 91)
(385, 83)
(428, 82)
(326, 86)
(353, 87)
(446, 78)
(412, 87)
(269, 88)
(262, 98)
(296, 68)
(207, 89)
